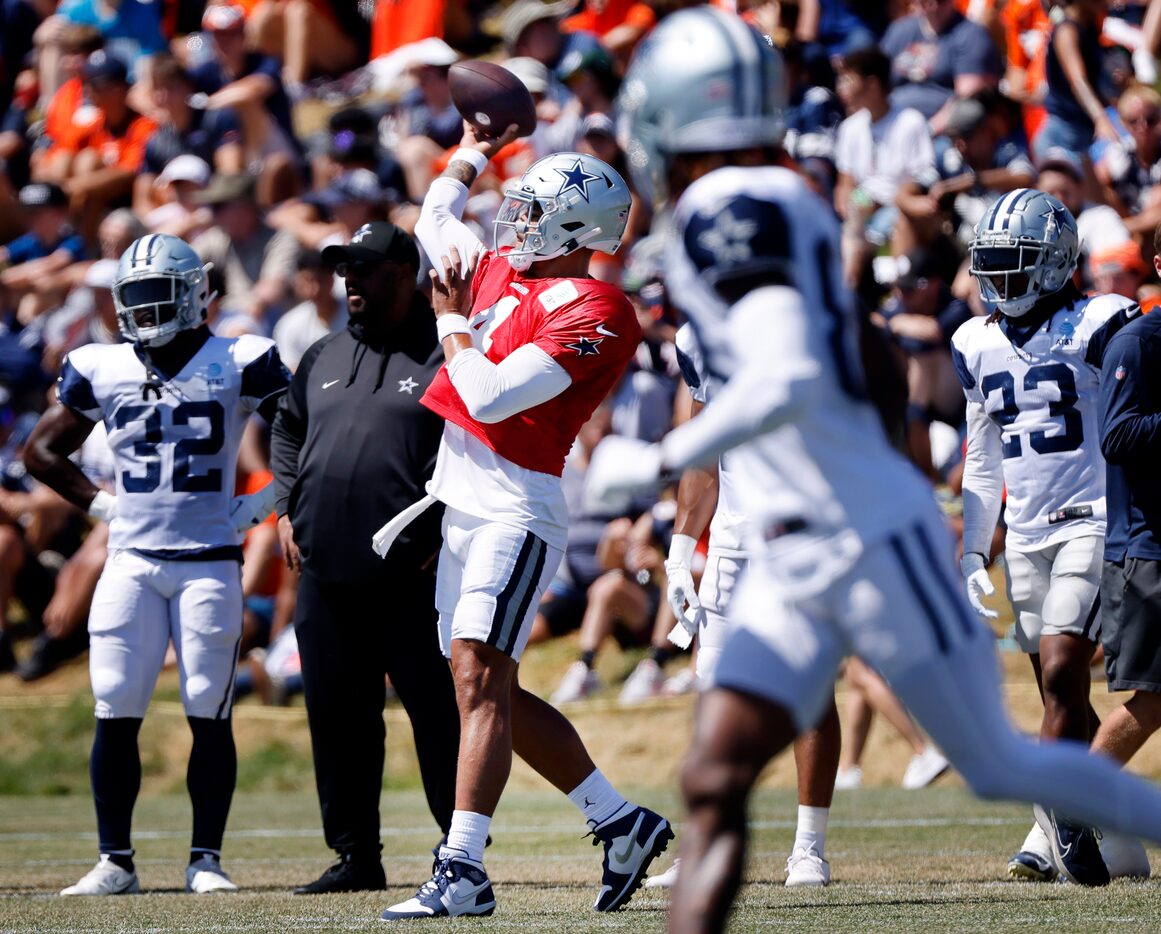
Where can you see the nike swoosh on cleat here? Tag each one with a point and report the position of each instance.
(621, 855)
(329, 384)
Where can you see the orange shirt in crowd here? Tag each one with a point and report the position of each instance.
(615, 13)
(401, 22)
(1027, 30)
(59, 125)
(126, 151)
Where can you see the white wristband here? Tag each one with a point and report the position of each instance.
(447, 325)
(681, 549)
(473, 157)
(103, 506)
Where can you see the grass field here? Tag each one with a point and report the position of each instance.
(903, 861)
(925, 861)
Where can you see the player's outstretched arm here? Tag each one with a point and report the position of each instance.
(60, 433)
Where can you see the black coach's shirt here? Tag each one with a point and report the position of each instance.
(1131, 439)
(352, 447)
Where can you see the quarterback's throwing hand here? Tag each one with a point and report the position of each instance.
(978, 584)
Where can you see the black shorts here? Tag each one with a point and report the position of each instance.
(1131, 624)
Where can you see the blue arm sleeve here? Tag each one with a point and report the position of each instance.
(1128, 431)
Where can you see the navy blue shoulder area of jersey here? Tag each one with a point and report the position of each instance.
(743, 237)
(961, 368)
(688, 370)
(75, 390)
(1097, 344)
(265, 376)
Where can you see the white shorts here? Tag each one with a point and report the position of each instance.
(1056, 590)
(719, 582)
(896, 604)
(140, 604)
(489, 582)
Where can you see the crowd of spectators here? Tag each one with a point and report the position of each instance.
(263, 131)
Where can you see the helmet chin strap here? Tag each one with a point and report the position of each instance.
(523, 261)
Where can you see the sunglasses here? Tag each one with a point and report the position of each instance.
(1147, 119)
(359, 268)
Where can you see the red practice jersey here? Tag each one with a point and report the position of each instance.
(586, 326)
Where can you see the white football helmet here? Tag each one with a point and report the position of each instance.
(161, 288)
(701, 81)
(561, 203)
(1025, 247)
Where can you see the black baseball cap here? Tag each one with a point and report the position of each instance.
(103, 68)
(43, 195)
(376, 242)
(917, 268)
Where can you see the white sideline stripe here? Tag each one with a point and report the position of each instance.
(534, 829)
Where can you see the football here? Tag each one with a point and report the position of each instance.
(490, 98)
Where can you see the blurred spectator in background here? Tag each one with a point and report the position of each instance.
(1027, 31)
(88, 316)
(98, 163)
(425, 122)
(531, 28)
(1130, 171)
(251, 84)
(256, 260)
(590, 76)
(36, 265)
(176, 190)
(937, 55)
(1119, 270)
(311, 37)
(1073, 71)
(66, 112)
(837, 27)
(921, 315)
(213, 136)
(333, 214)
(317, 314)
(619, 24)
(879, 146)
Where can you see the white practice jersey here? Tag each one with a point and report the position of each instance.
(1033, 424)
(788, 356)
(175, 448)
(728, 527)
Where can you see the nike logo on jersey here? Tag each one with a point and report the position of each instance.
(329, 383)
(601, 329)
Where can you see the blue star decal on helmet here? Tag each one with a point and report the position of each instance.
(585, 346)
(1059, 215)
(576, 179)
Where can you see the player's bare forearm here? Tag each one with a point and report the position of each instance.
(59, 433)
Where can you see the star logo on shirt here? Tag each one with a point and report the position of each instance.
(408, 386)
(576, 179)
(729, 239)
(585, 346)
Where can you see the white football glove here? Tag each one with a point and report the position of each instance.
(977, 583)
(103, 506)
(681, 592)
(252, 509)
(621, 467)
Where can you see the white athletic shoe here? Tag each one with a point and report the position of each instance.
(684, 682)
(106, 878)
(578, 683)
(664, 880)
(205, 876)
(646, 681)
(848, 779)
(924, 768)
(457, 887)
(806, 868)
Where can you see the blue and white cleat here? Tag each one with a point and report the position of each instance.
(633, 838)
(459, 886)
(1075, 848)
(1027, 866)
